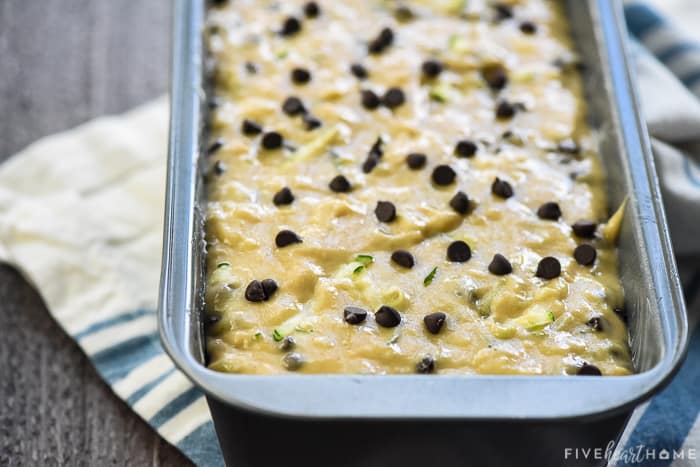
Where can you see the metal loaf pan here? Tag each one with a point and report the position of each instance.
(465, 417)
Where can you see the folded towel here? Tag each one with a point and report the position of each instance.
(668, 75)
(81, 217)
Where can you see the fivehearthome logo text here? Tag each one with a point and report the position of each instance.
(630, 455)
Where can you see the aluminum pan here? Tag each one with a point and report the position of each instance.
(658, 324)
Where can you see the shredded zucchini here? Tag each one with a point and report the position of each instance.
(523, 76)
(535, 318)
(395, 297)
(429, 278)
(611, 230)
(223, 274)
(359, 264)
(442, 93)
(313, 148)
(451, 7)
(459, 44)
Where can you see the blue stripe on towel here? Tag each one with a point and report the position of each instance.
(201, 446)
(690, 167)
(175, 406)
(641, 19)
(671, 414)
(122, 318)
(681, 56)
(691, 79)
(131, 400)
(671, 52)
(116, 362)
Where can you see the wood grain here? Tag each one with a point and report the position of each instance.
(63, 62)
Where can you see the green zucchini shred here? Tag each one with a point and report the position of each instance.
(313, 148)
(429, 278)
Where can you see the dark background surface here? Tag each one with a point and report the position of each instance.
(63, 62)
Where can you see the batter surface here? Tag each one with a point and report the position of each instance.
(401, 187)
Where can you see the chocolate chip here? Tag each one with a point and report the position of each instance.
(255, 292)
(503, 11)
(569, 146)
(285, 238)
(340, 184)
(370, 100)
(505, 110)
(215, 146)
(394, 97)
(250, 128)
(354, 314)
(219, 168)
(288, 343)
(251, 68)
(512, 137)
(465, 148)
(500, 265)
(585, 254)
(359, 71)
(416, 160)
(434, 321)
(290, 26)
(495, 76)
(549, 211)
(622, 313)
(283, 197)
(272, 140)
(385, 211)
(211, 320)
(375, 154)
(528, 27)
(370, 163)
(311, 122)
(501, 188)
(460, 203)
(589, 370)
(432, 68)
(387, 317)
(443, 175)
(426, 365)
(595, 323)
(293, 106)
(458, 252)
(403, 14)
(301, 75)
(293, 361)
(312, 10)
(403, 258)
(548, 268)
(269, 287)
(381, 42)
(584, 229)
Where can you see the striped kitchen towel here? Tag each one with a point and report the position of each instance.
(666, 430)
(81, 217)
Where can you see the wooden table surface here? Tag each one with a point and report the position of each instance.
(63, 62)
